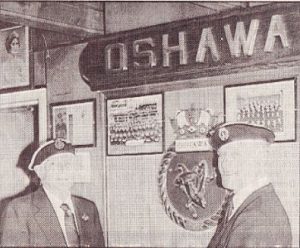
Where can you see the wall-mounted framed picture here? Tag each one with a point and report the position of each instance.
(135, 125)
(74, 121)
(14, 58)
(269, 104)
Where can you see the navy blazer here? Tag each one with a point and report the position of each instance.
(260, 221)
(31, 221)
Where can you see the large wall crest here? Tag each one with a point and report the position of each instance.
(189, 191)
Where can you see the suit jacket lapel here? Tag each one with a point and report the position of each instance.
(77, 214)
(80, 213)
(46, 218)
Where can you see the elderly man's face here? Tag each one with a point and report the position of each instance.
(58, 171)
(240, 163)
(228, 163)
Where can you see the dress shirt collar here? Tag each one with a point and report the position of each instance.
(241, 195)
(57, 202)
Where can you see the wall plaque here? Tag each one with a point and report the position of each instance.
(193, 48)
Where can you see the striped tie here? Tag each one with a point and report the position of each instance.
(71, 230)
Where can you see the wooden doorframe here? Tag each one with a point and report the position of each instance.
(37, 98)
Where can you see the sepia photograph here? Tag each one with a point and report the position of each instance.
(135, 125)
(265, 104)
(149, 124)
(14, 57)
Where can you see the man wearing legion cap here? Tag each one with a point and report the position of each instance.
(51, 216)
(253, 215)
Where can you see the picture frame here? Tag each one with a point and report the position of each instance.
(14, 58)
(135, 125)
(74, 121)
(269, 104)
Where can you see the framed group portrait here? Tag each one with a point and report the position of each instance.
(75, 122)
(135, 125)
(268, 104)
(14, 58)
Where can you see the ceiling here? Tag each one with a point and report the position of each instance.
(121, 16)
(75, 21)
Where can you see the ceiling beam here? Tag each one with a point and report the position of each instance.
(77, 19)
(206, 5)
(219, 6)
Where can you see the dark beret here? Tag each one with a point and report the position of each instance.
(228, 132)
(49, 149)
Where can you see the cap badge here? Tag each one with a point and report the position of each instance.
(85, 217)
(59, 144)
(223, 134)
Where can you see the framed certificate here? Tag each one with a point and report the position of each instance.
(75, 121)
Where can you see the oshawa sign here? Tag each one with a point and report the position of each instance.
(193, 48)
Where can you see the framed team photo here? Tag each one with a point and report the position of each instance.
(74, 121)
(134, 125)
(270, 104)
(14, 58)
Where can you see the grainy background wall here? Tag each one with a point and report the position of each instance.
(125, 188)
(16, 133)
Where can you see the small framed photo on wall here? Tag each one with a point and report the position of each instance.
(74, 121)
(270, 104)
(135, 125)
(14, 57)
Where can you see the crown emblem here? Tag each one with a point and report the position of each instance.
(59, 144)
(193, 122)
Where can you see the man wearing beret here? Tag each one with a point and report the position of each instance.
(51, 216)
(253, 215)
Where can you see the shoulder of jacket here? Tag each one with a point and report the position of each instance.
(22, 199)
(19, 204)
(83, 200)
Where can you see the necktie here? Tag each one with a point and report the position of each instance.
(71, 230)
(227, 209)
